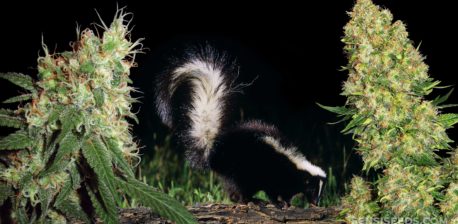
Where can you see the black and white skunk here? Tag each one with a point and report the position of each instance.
(194, 100)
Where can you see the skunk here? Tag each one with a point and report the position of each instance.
(194, 100)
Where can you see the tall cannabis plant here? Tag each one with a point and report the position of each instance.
(72, 154)
(398, 131)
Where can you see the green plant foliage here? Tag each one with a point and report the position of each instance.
(331, 195)
(449, 204)
(161, 203)
(17, 140)
(20, 98)
(20, 80)
(360, 200)
(168, 171)
(10, 121)
(74, 141)
(398, 131)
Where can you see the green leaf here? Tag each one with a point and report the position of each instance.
(72, 209)
(437, 195)
(133, 117)
(12, 122)
(106, 212)
(17, 140)
(441, 99)
(99, 159)
(119, 159)
(353, 123)
(71, 119)
(25, 178)
(55, 114)
(99, 97)
(424, 159)
(19, 79)
(425, 87)
(448, 120)
(157, 201)
(75, 175)
(6, 111)
(21, 215)
(69, 144)
(346, 118)
(64, 193)
(45, 195)
(442, 87)
(429, 85)
(87, 67)
(447, 106)
(108, 199)
(5, 192)
(338, 110)
(19, 98)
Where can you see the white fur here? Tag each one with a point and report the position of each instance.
(209, 88)
(321, 187)
(298, 159)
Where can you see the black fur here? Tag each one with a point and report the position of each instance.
(247, 165)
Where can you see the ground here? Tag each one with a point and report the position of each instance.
(239, 213)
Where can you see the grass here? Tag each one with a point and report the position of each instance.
(167, 171)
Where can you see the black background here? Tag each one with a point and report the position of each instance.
(294, 49)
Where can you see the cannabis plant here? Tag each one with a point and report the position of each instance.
(72, 154)
(397, 130)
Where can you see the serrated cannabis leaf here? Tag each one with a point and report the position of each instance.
(338, 110)
(118, 157)
(441, 99)
(353, 123)
(12, 122)
(21, 216)
(108, 199)
(75, 176)
(20, 80)
(71, 119)
(448, 120)
(55, 114)
(157, 201)
(5, 192)
(98, 157)
(72, 210)
(6, 112)
(66, 146)
(447, 106)
(17, 140)
(45, 195)
(64, 193)
(345, 118)
(101, 209)
(19, 98)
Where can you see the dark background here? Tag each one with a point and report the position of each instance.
(294, 49)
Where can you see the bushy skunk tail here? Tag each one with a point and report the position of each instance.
(193, 100)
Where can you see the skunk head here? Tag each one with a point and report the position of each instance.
(315, 177)
(314, 189)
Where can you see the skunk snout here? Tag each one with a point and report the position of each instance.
(315, 186)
